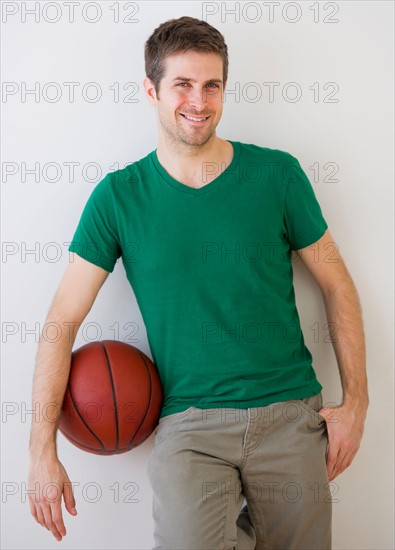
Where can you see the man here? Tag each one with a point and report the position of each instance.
(205, 228)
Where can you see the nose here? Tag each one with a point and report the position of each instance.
(197, 98)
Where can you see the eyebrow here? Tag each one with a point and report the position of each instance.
(192, 80)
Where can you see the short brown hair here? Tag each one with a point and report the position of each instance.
(180, 35)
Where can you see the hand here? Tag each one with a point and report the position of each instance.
(345, 424)
(48, 481)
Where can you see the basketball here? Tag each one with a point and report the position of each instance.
(113, 398)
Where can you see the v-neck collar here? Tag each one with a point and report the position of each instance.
(206, 188)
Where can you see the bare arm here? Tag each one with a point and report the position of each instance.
(344, 313)
(73, 300)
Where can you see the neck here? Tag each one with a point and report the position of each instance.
(184, 161)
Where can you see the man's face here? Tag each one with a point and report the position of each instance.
(192, 87)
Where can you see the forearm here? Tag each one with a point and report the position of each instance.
(344, 314)
(49, 385)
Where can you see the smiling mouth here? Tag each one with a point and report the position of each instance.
(198, 120)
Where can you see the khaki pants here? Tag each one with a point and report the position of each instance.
(207, 462)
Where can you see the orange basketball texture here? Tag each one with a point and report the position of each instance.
(113, 398)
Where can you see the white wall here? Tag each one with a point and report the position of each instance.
(355, 133)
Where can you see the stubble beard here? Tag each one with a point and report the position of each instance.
(184, 139)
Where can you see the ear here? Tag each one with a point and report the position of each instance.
(150, 91)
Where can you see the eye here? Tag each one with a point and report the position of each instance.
(213, 84)
(182, 84)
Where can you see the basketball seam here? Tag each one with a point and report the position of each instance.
(81, 417)
(113, 395)
(98, 451)
(149, 403)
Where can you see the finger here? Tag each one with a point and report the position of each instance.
(344, 462)
(33, 510)
(331, 461)
(49, 522)
(40, 516)
(69, 499)
(57, 518)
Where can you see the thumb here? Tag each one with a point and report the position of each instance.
(329, 413)
(69, 499)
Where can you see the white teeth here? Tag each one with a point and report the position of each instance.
(195, 119)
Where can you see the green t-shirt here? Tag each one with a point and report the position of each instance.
(212, 273)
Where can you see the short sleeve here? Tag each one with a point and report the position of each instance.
(96, 237)
(303, 217)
